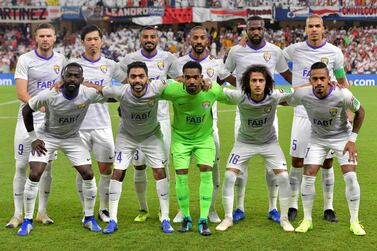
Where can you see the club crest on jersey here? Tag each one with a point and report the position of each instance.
(206, 104)
(151, 102)
(333, 111)
(267, 108)
(56, 69)
(103, 68)
(160, 65)
(81, 106)
(325, 60)
(210, 72)
(267, 56)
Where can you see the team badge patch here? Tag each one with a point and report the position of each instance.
(103, 68)
(206, 104)
(81, 106)
(160, 65)
(267, 56)
(325, 60)
(268, 108)
(333, 111)
(151, 102)
(210, 72)
(56, 69)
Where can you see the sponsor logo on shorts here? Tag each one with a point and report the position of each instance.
(103, 68)
(210, 72)
(87, 159)
(325, 60)
(160, 65)
(267, 56)
(333, 111)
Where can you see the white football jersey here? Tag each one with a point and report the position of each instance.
(41, 73)
(100, 72)
(139, 114)
(240, 58)
(327, 115)
(160, 66)
(64, 116)
(302, 55)
(257, 117)
(211, 68)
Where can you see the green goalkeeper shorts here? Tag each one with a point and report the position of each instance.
(204, 152)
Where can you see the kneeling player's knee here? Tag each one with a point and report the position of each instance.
(297, 162)
(159, 173)
(87, 174)
(327, 164)
(105, 168)
(34, 176)
(118, 175)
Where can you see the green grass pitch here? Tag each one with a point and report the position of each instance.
(254, 233)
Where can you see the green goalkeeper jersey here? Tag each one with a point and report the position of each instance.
(192, 113)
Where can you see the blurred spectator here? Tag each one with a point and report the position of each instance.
(359, 44)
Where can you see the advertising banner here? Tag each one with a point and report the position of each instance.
(28, 14)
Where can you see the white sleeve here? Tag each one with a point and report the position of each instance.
(41, 99)
(281, 65)
(117, 73)
(113, 92)
(124, 64)
(339, 60)
(288, 52)
(295, 99)
(350, 101)
(283, 95)
(93, 96)
(174, 69)
(230, 63)
(222, 71)
(21, 68)
(233, 96)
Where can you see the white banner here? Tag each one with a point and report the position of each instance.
(200, 15)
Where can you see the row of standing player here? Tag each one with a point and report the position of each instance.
(159, 60)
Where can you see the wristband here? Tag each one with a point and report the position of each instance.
(32, 136)
(352, 137)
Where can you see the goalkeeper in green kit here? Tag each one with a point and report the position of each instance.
(193, 136)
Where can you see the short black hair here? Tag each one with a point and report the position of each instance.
(148, 28)
(198, 27)
(90, 28)
(255, 18)
(137, 64)
(73, 64)
(192, 65)
(45, 26)
(319, 65)
(245, 80)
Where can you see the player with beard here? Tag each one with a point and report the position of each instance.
(212, 69)
(193, 137)
(303, 55)
(161, 64)
(35, 71)
(256, 51)
(65, 111)
(326, 109)
(139, 131)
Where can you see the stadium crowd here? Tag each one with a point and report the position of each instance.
(359, 44)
